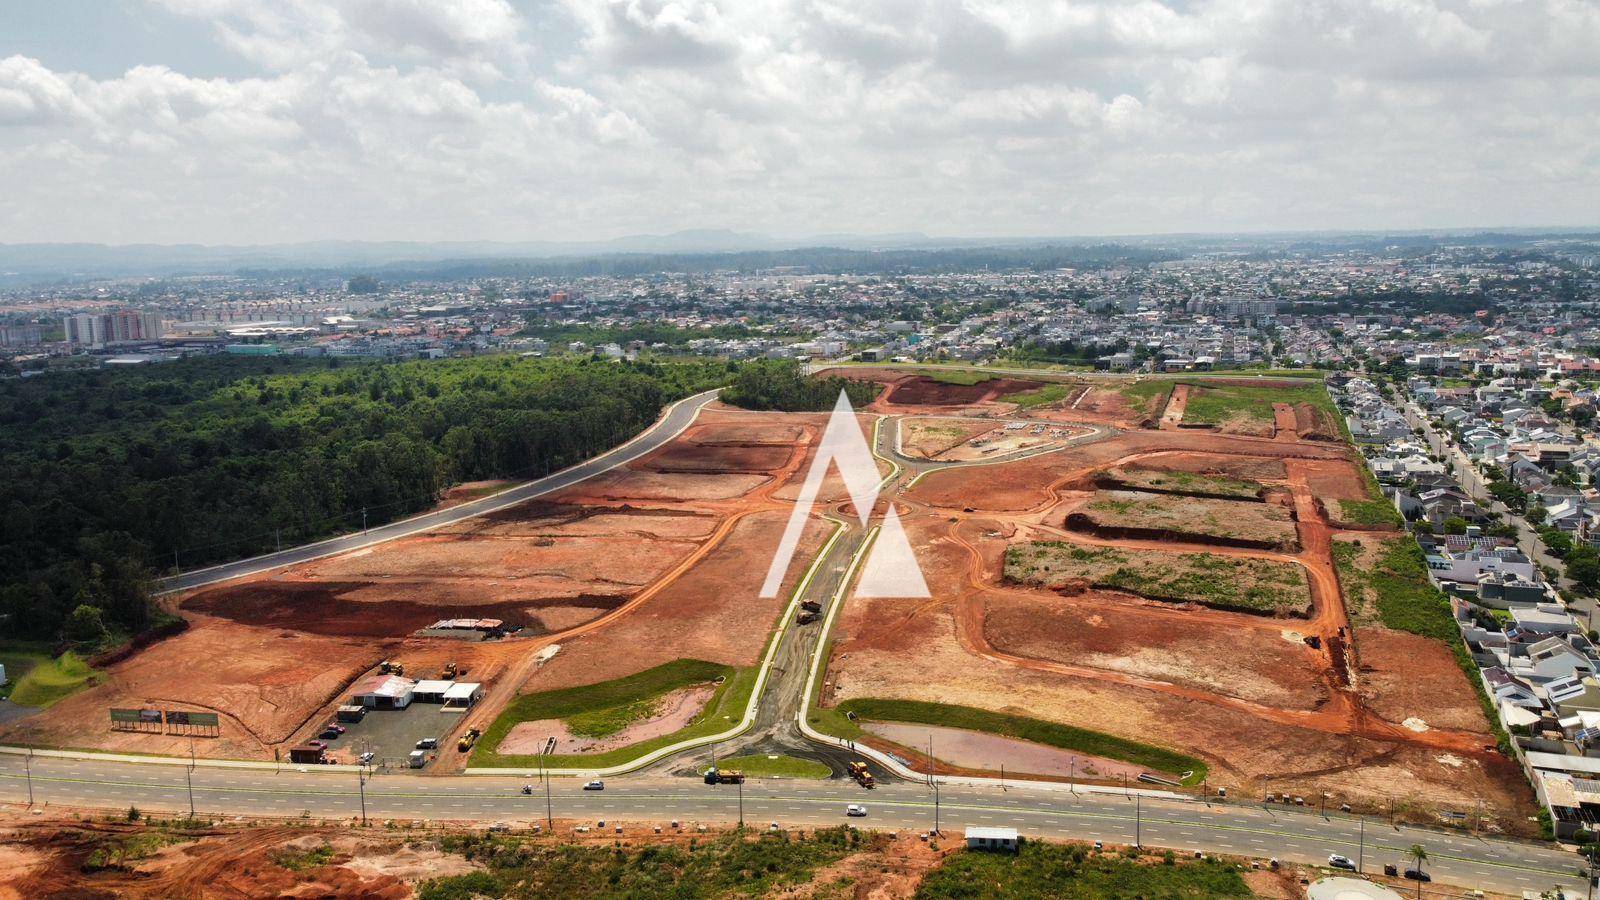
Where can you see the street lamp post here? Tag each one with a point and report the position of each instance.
(741, 804)
(1138, 820)
(1361, 848)
(28, 764)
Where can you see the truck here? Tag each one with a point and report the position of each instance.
(448, 673)
(390, 667)
(418, 758)
(468, 739)
(811, 606)
(806, 617)
(724, 776)
(858, 771)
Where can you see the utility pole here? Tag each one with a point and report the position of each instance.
(361, 782)
(741, 804)
(936, 807)
(1072, 776)
(363, 520)
(549, 813)
(1361, 848)
(29, 765)
(1138, 820)
(189, 777)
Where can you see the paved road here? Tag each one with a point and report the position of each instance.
(1248, 830)
(676, 418)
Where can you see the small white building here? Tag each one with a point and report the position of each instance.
(384, 692)
(463, 695)
(984, 838)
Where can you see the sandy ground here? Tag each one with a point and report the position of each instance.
(930, 436)
(992, 753)
(677, 710)
(1189, 518)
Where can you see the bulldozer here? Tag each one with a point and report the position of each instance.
(448, 673)
(858, 771)
(468, 739)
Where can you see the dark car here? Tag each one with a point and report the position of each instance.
(1418, 875)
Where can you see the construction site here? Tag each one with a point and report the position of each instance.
(1143, 560)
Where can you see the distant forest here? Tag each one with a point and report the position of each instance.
(108, 477)
(779, 385)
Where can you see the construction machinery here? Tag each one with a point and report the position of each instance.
(390, 667)
(468, 739)
(723, 776)
(858, 771)
(811, 606)
(448, 673)
(806, 617)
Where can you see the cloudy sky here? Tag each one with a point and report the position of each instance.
(245, 121)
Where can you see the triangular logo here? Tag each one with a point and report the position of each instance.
(891, 569)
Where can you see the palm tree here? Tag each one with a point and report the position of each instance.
(1420, 854)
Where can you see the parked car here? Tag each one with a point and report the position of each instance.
(1341, 862)
(1418, 875)
(855, 810)
(594, 786)
(366, 758)
(328, 734)
(428, 744)
(320, 745)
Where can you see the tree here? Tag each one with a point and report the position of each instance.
(85, 624)
(1420, 855)
(1455, 525)
(1583, 567)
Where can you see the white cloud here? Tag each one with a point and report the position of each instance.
(578, 118)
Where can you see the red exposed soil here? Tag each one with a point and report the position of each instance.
(1281, 711)
(1177, 401)
(919, 390)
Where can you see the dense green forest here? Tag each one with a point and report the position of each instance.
(109, 477)
(780, 385)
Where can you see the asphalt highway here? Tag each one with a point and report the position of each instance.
(672, 422)
(1253, 830)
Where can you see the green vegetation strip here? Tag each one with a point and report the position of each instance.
(765, 766)
(1369, 513)
(606, 701)
(1408, 601)
(1226, 582)
(1186, 482)
(1064, 737)
(722, 866)
(1053, 393)
(1053, 870)
(1214, 404)
(48, 680)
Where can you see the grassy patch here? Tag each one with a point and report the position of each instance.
(600, 703)
(1228, 582)
(1215, 404)
(1367, 513)
(1051, 870)
(296, 860)
(1050, 393)
(1065, 737)
(1263, 523)
(775, 767)
(1146, 395)
(50, 680)
(602, 723)
(19, 658)
(723, 866)
(958, 376)
(122, 850)
(1186, 482)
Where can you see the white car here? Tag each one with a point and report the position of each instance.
(855, 810)
(1341, 862)
(594, 786)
